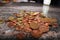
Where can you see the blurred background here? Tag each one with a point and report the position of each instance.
(52, 2)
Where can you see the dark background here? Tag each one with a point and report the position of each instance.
(53, 2)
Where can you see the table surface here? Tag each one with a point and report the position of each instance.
(52, 11)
